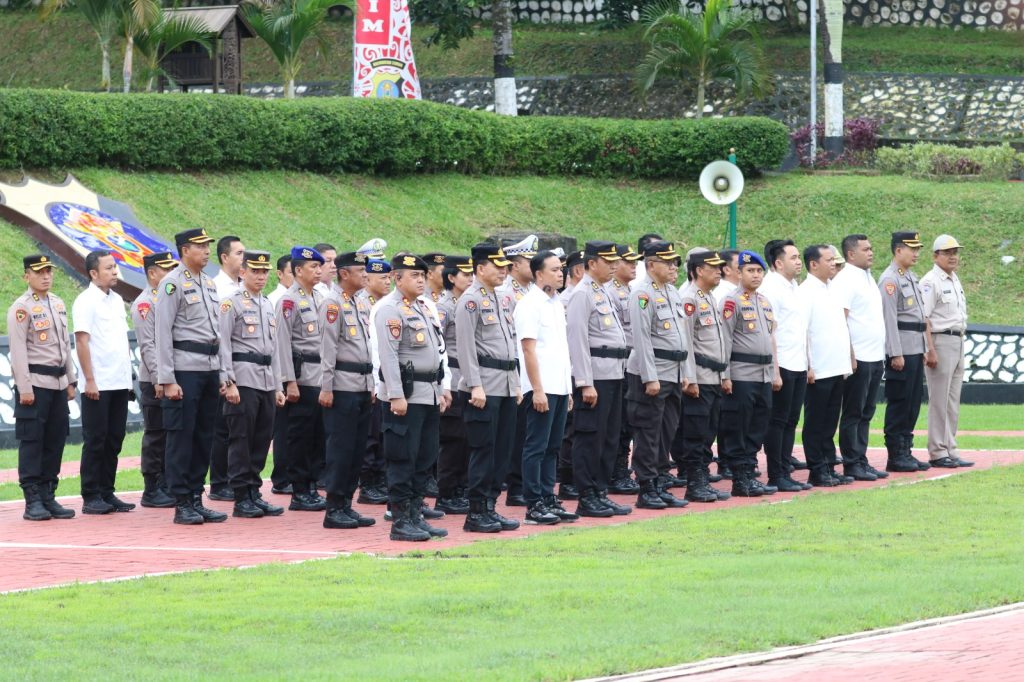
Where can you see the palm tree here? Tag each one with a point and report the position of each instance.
(135, 16)
(721, 42)
(284, 25)
(103, 19)
(166, 34)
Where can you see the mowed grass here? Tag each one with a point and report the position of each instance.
(275, 210)
(564, 605)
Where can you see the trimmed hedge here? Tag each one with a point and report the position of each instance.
(59, 129)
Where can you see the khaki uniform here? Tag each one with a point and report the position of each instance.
(945, 307)
(618, 294)
(298, 340)
(486, 333)
(154, 439)
(346, 342)
(186, 307)
(904, 337)
(709, 345)
(248, 348)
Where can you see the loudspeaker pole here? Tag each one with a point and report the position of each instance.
(732, 207)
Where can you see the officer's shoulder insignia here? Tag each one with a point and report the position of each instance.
(395, 328)
(332, 313)
(890, 288)
(225, 306)
(700, 293)
(597, 287)
(900, 270)
(188, 274)
(471, 305)
(245, 293)
(20, 314)
(35, 297)
(169, 288)
(689, 308)
(643, 300)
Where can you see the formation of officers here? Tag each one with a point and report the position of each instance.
(508, 369)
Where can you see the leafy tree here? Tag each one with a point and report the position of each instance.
(135, 16)
(166, 34)
(720, 42)
(103, 19)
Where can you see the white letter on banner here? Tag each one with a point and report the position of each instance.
(373, 26)
(374, 6)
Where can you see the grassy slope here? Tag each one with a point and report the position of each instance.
(64, 52)
(274, 210)
(552, 606)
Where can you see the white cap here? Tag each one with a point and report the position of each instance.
(559, 251)
(945, 241)
(839, 255)
(373, 248)
(527, 247)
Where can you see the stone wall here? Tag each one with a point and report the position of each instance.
(1002, 14)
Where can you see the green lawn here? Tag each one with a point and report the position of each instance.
(65, 53)
(274, 210)
(563, 605)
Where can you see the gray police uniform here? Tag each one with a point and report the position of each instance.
(453, 459)
(661, 352)
(347, 372)
(298, 349)
(618, 294)
(597, 351)
(154, 438)
(41, 364)
(248, 354)
(408, 343)
(485, 333)
(188, 354)
(903, 311)
(514, 479)
(748, 323)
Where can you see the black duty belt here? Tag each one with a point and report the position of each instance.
(675, 355)
(453, 362)
(47, 370)
(306, 357)
(950, 332)
(606, 352)
(354, 367)
(196, 347)
(707, 363)
(495, 363)
(752, 359)
(426, 377)
(254, 358)
(911, 326)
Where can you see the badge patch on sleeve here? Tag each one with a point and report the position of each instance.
(20, 314)
(395, 328)
(225, 306)
(332, 313)
(169, 288)
(287, 306)
(643, 300)
(689, 308)
(471, 306)
(728, 309)
(144, 310)
(890, 288)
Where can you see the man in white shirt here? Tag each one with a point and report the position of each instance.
(284, 278)
(781, 289)
(544, 375)
(730, 275)
(230, 252)
(104, 362)
(828, 357)
(858, 293)
(329, 271)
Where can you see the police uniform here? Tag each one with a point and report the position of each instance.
(41, 364)
(905, 329)
(485, 332)
(945, 308)
(748, 325)
(347, 374)
(660, 353)
(248, 353)
(188, 354)
(698, 426)
(408, 344)
(154, 438)
(298, 349)
(597, 349)
(618, 294)
(453, 460)
(373, 471)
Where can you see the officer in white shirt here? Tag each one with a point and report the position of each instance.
(730, 275)
(828, 358)
(230, 253)
(284, 279)
(105, 368)
(857, 291)
(329, 271)
(781, 289)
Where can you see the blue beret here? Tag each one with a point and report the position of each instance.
(748, 257)
(378, 266)
(303, 253)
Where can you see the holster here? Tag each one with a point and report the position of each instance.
(408, 379)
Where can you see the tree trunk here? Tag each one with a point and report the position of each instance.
(700, 96)
(126, 71)
(504, 72)
(289, 88)
(105, 77)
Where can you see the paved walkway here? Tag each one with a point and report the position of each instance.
(987, 645)
(145, 542)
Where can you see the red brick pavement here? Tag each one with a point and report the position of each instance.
(987, 645)
(144, 542)
(72, 468)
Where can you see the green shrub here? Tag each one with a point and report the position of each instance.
(58, 129)
(925, 159)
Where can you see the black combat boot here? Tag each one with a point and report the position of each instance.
(416, 511)
(697, 488)
(153, 495)
(452, 504)
(649, 497)
(669, 499)
(56, 510)
(428, 513)
(555, 507)
(209, 515)
(222, 493)
(117, 503)
(184, 512)
(431, 488)
(503, 522)
(403, 528)
(34, 508)
(335, 515)
(371, 493)
(724, 470)
(478, 520)
(617, 509)
(303, 501)
(244, 505)
(907, 446)
(94, 504)
(743, 483)
(709, 479)
(257, 499)
(591, 505)
(363, 521)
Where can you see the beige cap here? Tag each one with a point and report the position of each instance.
(945, 241)
(839, 255)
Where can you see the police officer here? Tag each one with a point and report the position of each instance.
(698, 425)
(188, 368)
(597, 348)
(453, 460)
(748, 328)
(252, 373)
(567, 486)
(435, 275)
(373, 474)
(298, 348)
(659, 370)
(618, 288)
(44, 383)
(408, 344)
(346, 389)
(154, 438)
(905, 335)
(485, 332)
